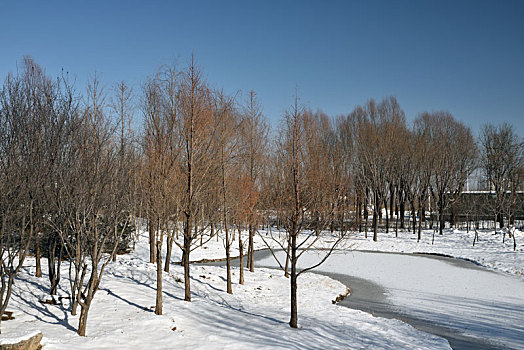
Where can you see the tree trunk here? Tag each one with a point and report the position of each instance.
(38, 272)
(293, 322)
(169, 243)
(251, 256)
(228, 263)
(414, 215)
(241, 250)
(51, 248)
(158, 305)
(84, 307)
(421, 211)
(185, 259)
(387, 217)
(84, 310)
(366, 214)
(54, 272)
(77, 290)
(5, 299)
(391, 202)
(82, 323)
(441, 220)
(375, 225)
(286, 268)
(152, 248)
(396, 222)
(376, 209)
(358, 215)
(402, 213)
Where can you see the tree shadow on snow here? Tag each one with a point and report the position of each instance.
(42, 312)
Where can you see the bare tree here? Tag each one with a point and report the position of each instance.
(18, 121)
(501, 157)
(91, 192)
(196, 129)
(374, 152)
(293, 197)
(417, 172)
(453, 151)
(161, 150)
(226, 144)
(254, 139)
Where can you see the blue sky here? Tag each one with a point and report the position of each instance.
(463, 56)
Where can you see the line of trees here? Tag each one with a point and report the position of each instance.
(67, 183)
(76, 182)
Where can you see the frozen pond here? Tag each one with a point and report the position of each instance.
(470, 306)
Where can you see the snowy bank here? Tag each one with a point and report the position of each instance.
(255, 316)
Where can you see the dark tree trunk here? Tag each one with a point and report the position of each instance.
(375, 226)
(51, 248)
(169, 250)
(228, 263)
(241, 260)
(387, 217)
(185, 259)
(402, 213)
(54, 272)
(396, 225)
(500, 219)
(38, 254)
(358, 215)
(251, 257)
(152, 249)
(376, 209)
(7, 297)
(158, 305)
(286, 267)
(441, 220)
(414, 215)
(391, 202)
(77, 288)
(82, 323)
(396, 218)
(293, 322)
(421, 211)
(86, 304)
(366, 214)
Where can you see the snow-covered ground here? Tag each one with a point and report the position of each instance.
(255, 316)
(474, 302)
(489, 251)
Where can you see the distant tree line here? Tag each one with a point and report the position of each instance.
(77, 182)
